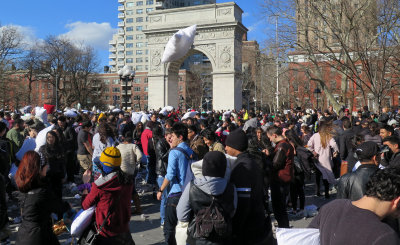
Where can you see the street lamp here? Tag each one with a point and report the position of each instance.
(208, 101)
(126, 75)
(317, 91)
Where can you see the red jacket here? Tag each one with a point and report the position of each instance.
(146, 135)
(105, 192)
(283, 161)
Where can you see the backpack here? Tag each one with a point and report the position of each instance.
(212, 223)
(189, 174)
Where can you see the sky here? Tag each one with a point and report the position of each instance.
(93, 22)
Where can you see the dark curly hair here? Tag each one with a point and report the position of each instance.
(384, 184)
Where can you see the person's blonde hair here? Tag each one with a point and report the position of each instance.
(325, 131)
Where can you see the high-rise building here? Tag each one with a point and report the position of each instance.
(129, 45)
(322, 24)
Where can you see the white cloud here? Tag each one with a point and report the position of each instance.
(27, 33)
(94, 34)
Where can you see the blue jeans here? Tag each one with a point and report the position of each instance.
(151, 176)
(160, 180)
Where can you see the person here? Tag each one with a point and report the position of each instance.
(4, 232)
(250, 224)
(15, 134)
(352, 185)
(211, 186)
(324, 147)
(157, 134)
(162, 151)
(175, 178)
(3, 119)
(131, 155)
(145, 138)
(386, 131)
(53, 154)
(70, 146)
(374, 133)
(359, 222)
(302, 167)
(37, 202)
(251, 123)
(108, 194)
(282, 174)
(85, 151)
(345, 143)
(305, 134)
(103, 139)
(137, 134)
(393, 143)
(196, 142)
(210, 139)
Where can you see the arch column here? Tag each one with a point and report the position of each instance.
(227, 91)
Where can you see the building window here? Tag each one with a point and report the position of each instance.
(146, 97)
(147, 51)
(139, 51)
(136, 89)
(139, 28)
(129, 52)
(107, 89)
(129, 60)
(106, 81)
(146, 80)
(129, 12)
(139, 3)
(136, 97)
(48, 95)
(137, 80)
(129, 37)
(139, 36)
(116, 81)
(139, 45)
(129, 45)
(139, 19)
(139, 68)
(149, 2)
(146, 89)
(139, 60)
(42, 96)
(139, 11)
(129, 20)
(116, 97)
(148, 10)
(130, 4)
(116, 90)
(43, 85)
(107, 97)
(129, 29)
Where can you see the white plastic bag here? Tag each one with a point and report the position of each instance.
(305, 236)
(179, 44)
(181, 232)
(82, 221)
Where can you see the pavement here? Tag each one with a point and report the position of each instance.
(145, 228)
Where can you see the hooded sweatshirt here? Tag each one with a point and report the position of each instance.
(105, 192)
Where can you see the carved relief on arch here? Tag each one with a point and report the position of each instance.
(155, 60)
(225, 11)
(225, 57)
(208, 49)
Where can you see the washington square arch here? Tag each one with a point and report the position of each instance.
(219, 37)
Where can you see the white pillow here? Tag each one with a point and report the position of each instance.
(179, 44)
(41, 114)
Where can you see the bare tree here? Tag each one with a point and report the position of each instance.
(359, 40)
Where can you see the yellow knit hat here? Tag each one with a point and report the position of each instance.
(111, 157)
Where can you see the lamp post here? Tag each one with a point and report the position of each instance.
(126, 75)
(317, 91)
(208, 101)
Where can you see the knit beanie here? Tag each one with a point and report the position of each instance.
(110, 159)
(237, 139)
(214, 164)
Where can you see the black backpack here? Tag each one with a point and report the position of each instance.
(212, 223)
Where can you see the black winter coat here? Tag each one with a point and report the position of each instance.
(352, 185)
(36, 226)
(162, 152)
(250, 225)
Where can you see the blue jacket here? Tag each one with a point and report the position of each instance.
(177, 166)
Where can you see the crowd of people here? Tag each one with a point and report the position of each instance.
(219, 176)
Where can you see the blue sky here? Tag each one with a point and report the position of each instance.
(94, 21)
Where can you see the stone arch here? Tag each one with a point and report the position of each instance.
(219, 37)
